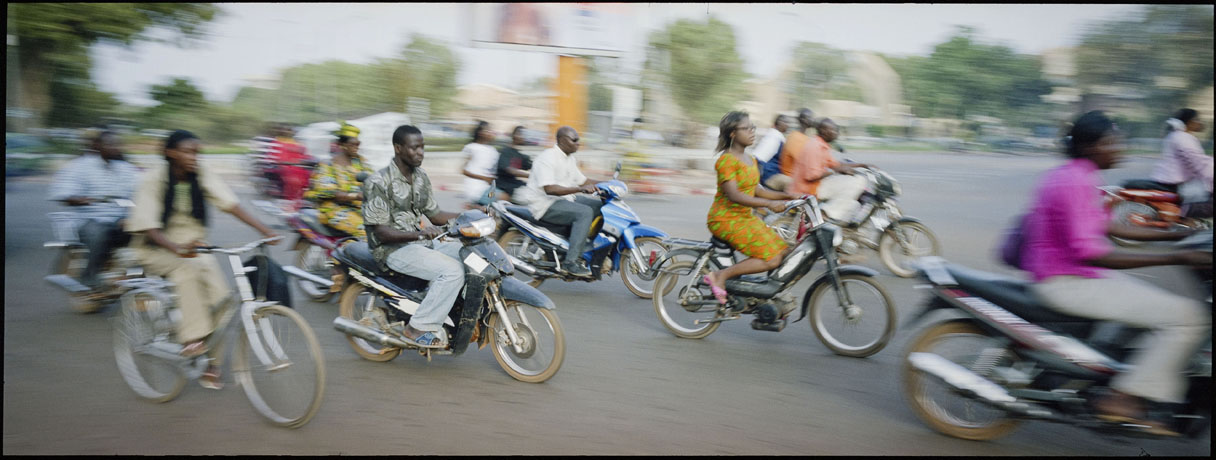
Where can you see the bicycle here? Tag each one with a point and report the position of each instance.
(148, 354)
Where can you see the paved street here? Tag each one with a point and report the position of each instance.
(628, 386)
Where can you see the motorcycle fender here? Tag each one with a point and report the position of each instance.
(904, 220)
(826, 278)
(513, 289)
(640, 231)
(695, 254)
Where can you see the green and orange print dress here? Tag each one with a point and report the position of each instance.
(736, 223)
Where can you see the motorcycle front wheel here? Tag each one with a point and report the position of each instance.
(521, 247)
(858, 330)
(311, 258)
(542, 342)
(936, 402)
(903, 243)
(356, 303)
(1122, 213)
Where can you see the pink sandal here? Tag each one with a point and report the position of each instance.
(719, 293)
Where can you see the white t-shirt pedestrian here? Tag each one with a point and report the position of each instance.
(483, 161)
(551, 167)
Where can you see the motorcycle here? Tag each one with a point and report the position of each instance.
(315, 246)
(898, 239)
(621, 240)
(493, 308)
(1003, 357)
(73, 256)
(863, 309)
(1147, 203)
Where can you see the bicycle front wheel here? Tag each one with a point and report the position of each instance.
(280, 367)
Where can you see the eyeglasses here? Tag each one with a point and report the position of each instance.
(748, 128)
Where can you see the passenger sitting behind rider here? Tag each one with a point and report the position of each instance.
(1067, 251)
(730, 216)
(554, 180)
(813, 174)
(335, 186)
(397, 198)
(170, 220)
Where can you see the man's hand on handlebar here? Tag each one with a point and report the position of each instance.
(589, 188)
(431, 232)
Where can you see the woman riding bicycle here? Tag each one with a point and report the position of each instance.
(335, 186)
(730, 216)
(169, 220)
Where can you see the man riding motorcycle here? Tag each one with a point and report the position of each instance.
(396, 199)
(549, 195)
(817, 173)
(1183, 160)
(100, 173)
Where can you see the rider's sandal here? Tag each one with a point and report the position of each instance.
(211, 379)
(194, 349)
(426, 340)
(719, 293)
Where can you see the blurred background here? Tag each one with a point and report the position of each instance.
(894, 77)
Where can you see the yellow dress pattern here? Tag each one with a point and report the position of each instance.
(325, 184)
(736, 223)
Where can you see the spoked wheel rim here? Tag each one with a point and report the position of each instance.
(860, 329)
(676, 317)
(287, 384)
(313, 260)
(542, 342)
(917, 241)
(149, 377)
(357, 303)
(649, 248)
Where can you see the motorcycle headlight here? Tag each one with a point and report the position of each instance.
(479, 228)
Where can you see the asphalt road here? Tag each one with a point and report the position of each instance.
(628, 387)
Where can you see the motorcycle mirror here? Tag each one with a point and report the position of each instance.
(617, 173)
(361, 176)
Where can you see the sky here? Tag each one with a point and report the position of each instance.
(261, 39)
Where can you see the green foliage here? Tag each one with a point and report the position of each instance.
(822, 72)
(700, 66)
(54, 40)
(599, 95)
(426, 69)
(874, 130)
(77, 102)
(964, 77)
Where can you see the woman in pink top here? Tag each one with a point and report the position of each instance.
(1067, 251)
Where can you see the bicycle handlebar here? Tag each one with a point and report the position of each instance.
(237, 250)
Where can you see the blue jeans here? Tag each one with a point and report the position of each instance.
(442, 267)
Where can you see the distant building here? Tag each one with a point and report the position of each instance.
(504, 108)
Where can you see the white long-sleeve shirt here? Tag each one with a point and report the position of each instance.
(1183, 160)
(768, 145)
(93, 177)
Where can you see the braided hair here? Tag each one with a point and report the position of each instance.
(198, 209)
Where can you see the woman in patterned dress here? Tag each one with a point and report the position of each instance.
(336, 189)
(730, 217)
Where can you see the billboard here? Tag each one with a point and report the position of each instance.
(584, 29)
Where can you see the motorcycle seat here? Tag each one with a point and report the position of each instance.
(1146, 184)
(312, 218)
(719, 243)
(360, 254)
(1012, 294)
(523, 213)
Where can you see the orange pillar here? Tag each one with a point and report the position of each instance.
(571, 89)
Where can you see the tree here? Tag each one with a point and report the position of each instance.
(821, 73)
(697, 62)
(54, 38)
(426, 69)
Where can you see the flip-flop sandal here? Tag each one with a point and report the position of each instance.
(719, 293)
(426, 340)
(211, 380)
(194, 349)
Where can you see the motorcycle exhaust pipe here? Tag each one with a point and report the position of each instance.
(527, 268)
(963, 379)
(296, 272)
(349, 327)
(67, 283)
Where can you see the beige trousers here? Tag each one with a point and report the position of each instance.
(200, 286)
(1177, 326)
(778, 182)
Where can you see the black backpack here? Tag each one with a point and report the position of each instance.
(269, 281)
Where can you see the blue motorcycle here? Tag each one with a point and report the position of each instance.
(620, 242)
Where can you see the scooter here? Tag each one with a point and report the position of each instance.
(1002, 357)
(1146, 203)
(73, 256)
(620, 240)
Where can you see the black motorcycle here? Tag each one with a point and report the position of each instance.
(858, 321)
(1003, 357)
(493, 307)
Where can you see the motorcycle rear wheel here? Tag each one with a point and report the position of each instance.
(675, 317)
(515, 243)
(919, 395)
(351, 306)
(922, 245)
(544, 348)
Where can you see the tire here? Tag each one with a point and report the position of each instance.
(878, 331)
(1122, 211)
(516, 243)
(917, 389)
(675, 317)
(351, 306)
(312, 259)
(528, 366)
(149, 377)
(889, 247)
(629, 275)
(281, 327)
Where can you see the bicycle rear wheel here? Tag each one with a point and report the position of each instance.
(286, 384)
(150, 377)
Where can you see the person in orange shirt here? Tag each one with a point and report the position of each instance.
(815, 173)
(795, 144)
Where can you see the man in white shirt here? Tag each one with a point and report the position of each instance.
(549, 194)
(99, 174)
